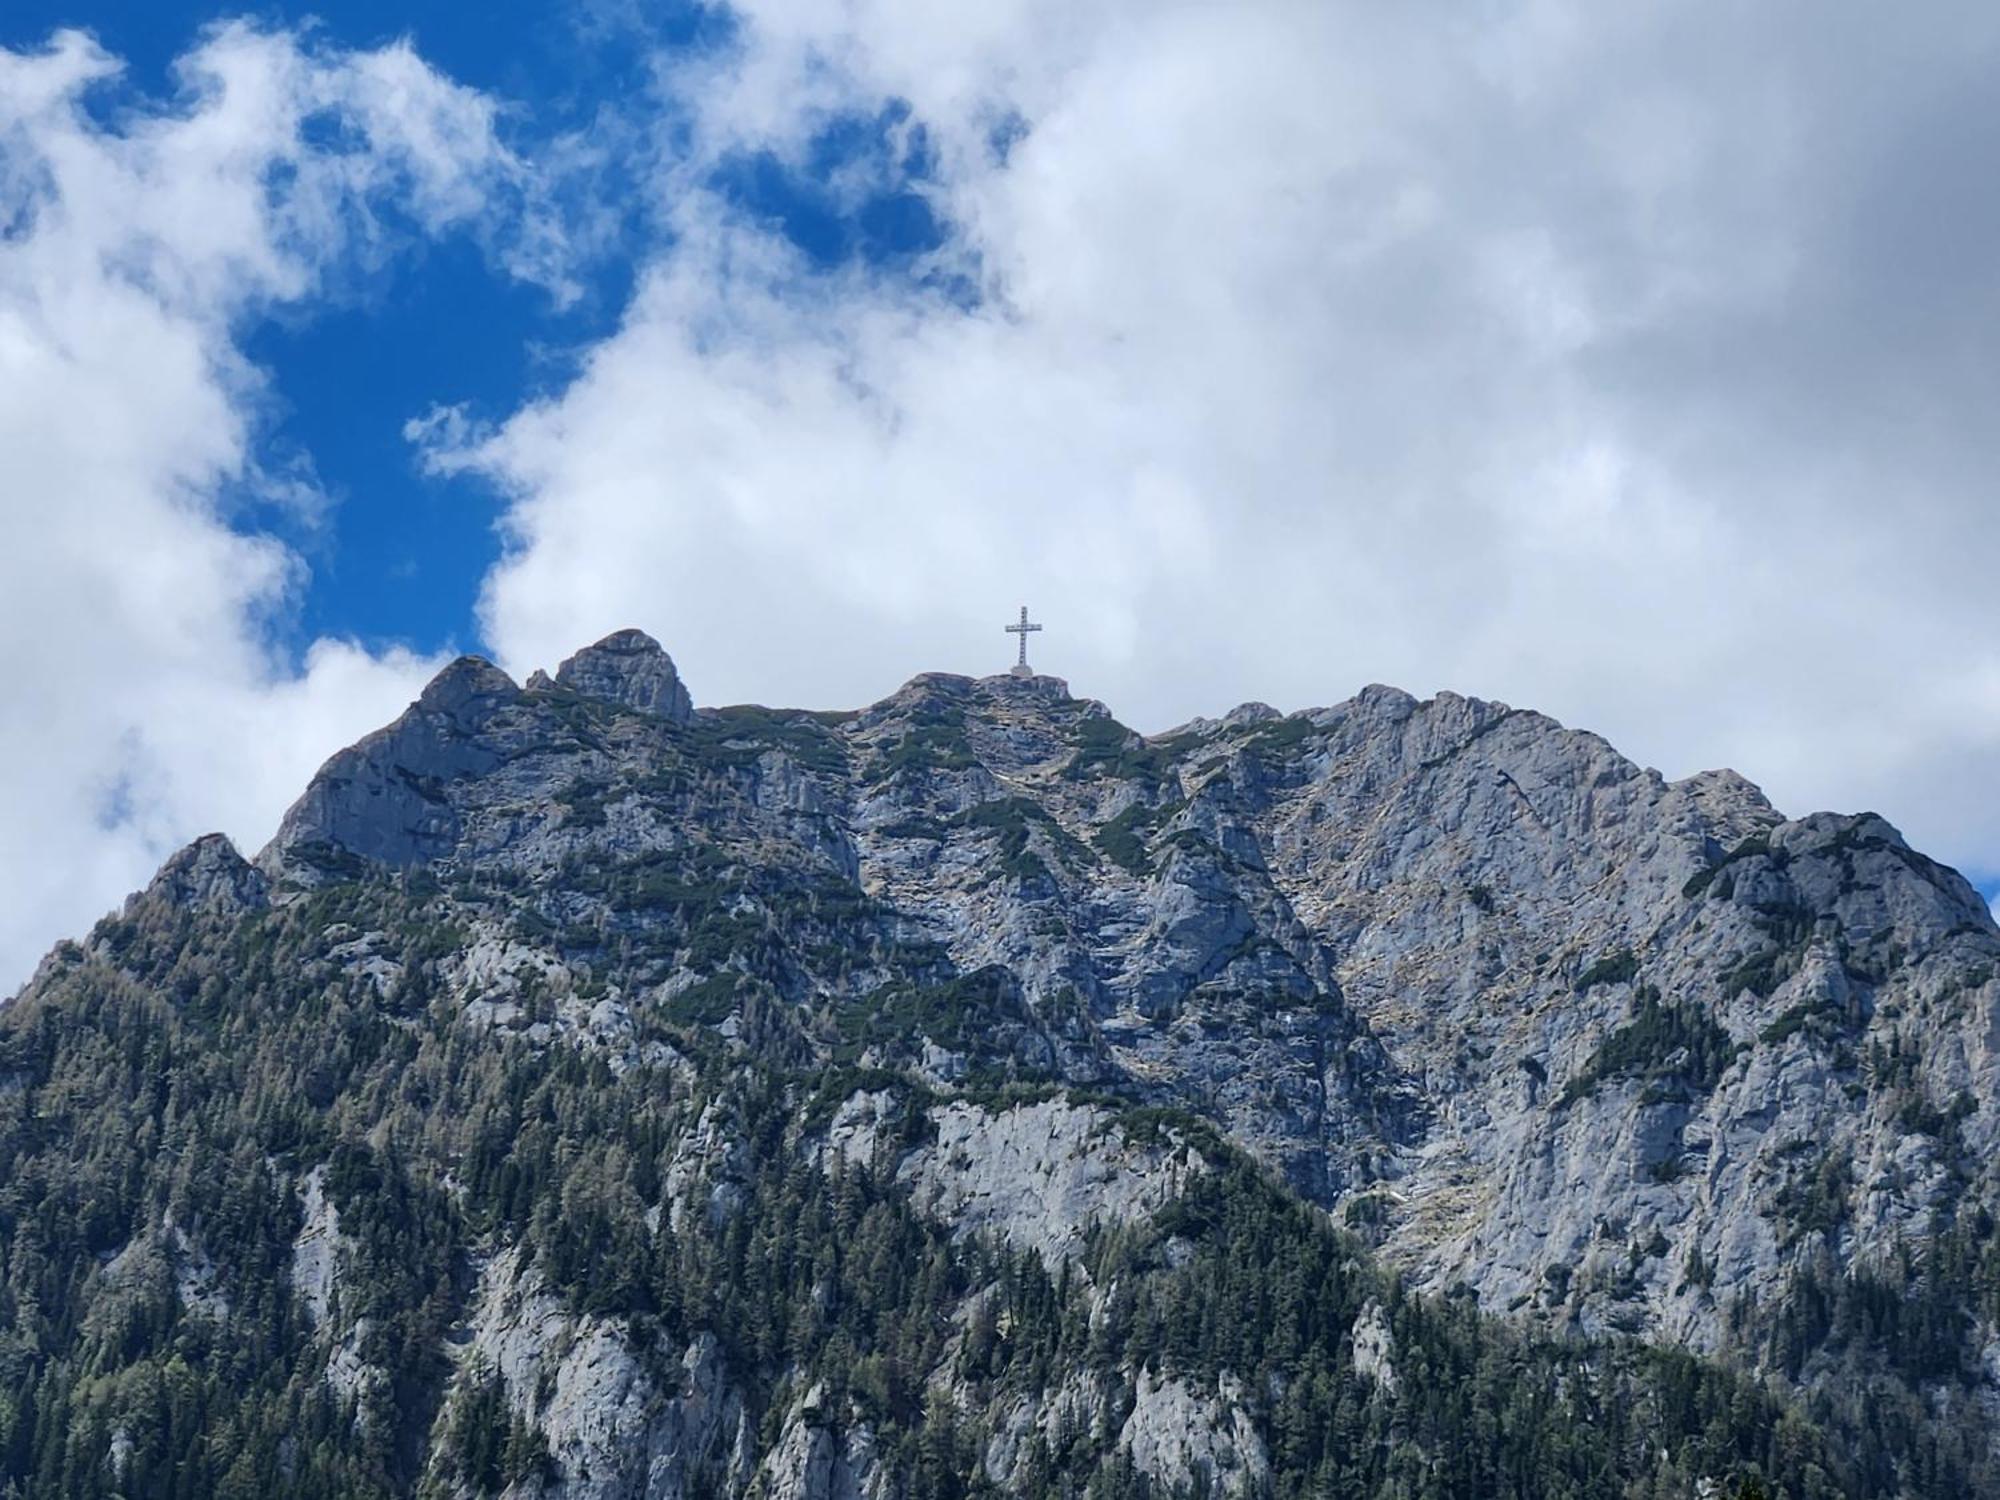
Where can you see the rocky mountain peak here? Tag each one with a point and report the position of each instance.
(210, 875)
(630, 668)
(1378, 700)
(465, 683)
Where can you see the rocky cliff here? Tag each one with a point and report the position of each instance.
(551, 1011)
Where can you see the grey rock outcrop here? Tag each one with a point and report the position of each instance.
(1179, 1436)
(620, 1422)
(815, 1459)
(1041, 1176)
(388, 799)
(321, 1256)
(211, 876)
(629, 668)
(1375, 1348)
(317, 1249)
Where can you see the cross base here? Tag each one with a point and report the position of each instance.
(1024, 670)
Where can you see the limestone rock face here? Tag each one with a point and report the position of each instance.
(388, 799)
(317, 1249)
(1538, 1021)
(814, 1460)
(628, 667)
(1375, 1348)
(619, 1421)
(1041, 1176)
(1539, 932)
(1176, 1434)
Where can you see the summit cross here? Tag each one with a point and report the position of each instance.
(1023, 630)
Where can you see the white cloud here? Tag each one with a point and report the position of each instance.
(1623, 362)
(144, 704)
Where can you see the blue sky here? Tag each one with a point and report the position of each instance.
(400, 556)
(1629, 364)
(403, 554)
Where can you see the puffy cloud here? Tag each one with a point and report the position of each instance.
(1629, 363)
(145, 703)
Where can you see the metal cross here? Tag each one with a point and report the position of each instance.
(1023, 630)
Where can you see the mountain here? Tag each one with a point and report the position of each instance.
(585, 1094)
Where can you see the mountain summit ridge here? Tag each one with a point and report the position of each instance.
(1583, 1051)
(1338, 848)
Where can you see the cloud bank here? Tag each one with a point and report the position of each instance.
(1632, 364)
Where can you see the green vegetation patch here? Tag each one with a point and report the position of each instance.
(968, 1013)
(935, 741)
(737, 736)
(1123, 839)
(1106, 748)
(333, 861)
(1755, 846)
(1122, 842)
(1920, 1116)
(584, 718)
(1817, 1018)
(583, 802)
(1279, 736)
(1013, 819)
(1663, 1042)
(1760, 973)
(1621, 967)
(667, 881)
(707, 1002)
